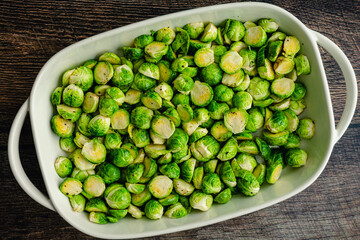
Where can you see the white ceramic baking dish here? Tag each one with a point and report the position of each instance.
(291, 182)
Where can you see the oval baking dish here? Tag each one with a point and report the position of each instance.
(292, 181)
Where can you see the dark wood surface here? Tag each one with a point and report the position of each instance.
(32, 31)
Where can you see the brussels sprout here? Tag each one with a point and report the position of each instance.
(244, 85)
(176, 210)
(277, 122)
(154, 210)
(238, 46)
(177, 141)
(165, 35)
(187, 169)
(190, 126)
(166, 74)
(227, 175)
(292, 119)
(143, 40)
(162, 126)
(234, 30)
(120, 119)
(164, 159)
(205, 148)
(179, 65)
(260, 172)
(204, 57)
(197, 134)
(210, 33)
(201, 201)
(96, 205)
(103, 72)
(116, 94)
(94, 185)
(134, 172)
(169, 200)
(170, 55)
(276, 138)
(99, 125)
(66, 77)
(201, 94)
(273, 50)
(255, 120)
(217, 110)
(233, 80)
(55, 98)
(306, 128)
(108, 107)
(291, 46)
(196, 45)
(266, 71)
(101, 89)
(276, 36)
(211, 183)
(80, 161)
(263, 147)
(121, 157)
(198, 177)
(185, 112)
(165, 91)
(141, 117)
(247, 183)
(112, 141)
(194, 29)
(182, 155)
(283, 105)
(143, 82)
(181, 43)
(117, 196)
(156, 49)
(73, 96)
(223, 197)
(98, 217)
(77, 203)
(211, 74)
(123, 77)
(201, 115)
(208, 123)
(71, 186)
(150, 167)
(82, 77)
(302, 65)
(80, 139)
(248, 147)
(236, 119)
(149, 70)
(292, 75)
(182, 187)
(94, 151)
(243, 161)
(210, 166)
(263, 103)
(229, 150)
(299, 92)
(90, 63)
(255, 36)
(249, 59)
(273, 171)
(152, 100)
(171, 170)
(283, 87)
(135, 188)
(283, 65)
(67, 144)
(183, 84)
(181, 99)
(135, 212)
(91, 102)
(249, 24)
(246, 135)
(63, 166)
(62, 127)
(268, 24)
(109, 173)
(293, 141)
(160, 186)
(231, 62)
(110, 57)
(297, 106)
(296, 157)
(259, 88)
(118, 213)
(220, 132)
(139, 199)
(69, 113)
(223, 93)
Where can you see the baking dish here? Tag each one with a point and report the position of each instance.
(291, 182)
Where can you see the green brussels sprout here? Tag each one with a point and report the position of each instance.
(276, 36)
(283, 105)
(255, 36)
(169, 200)
(292, 119)
(284, 65)
(306, 128)
(238, 46)
(264, 148)
(141, 117)
(201, 115)
(260, 172)
(118, 213)
(292, 75)
(223, 197)
(249, 147)
(62, 127)
(135, 212)
(156, 49)
(67, 144)
(180, 98)
(293, 141)
(170, 55)
(80, 139)
(296, 157)
(91, 102)
(120, 119)
(117, 196)
(140, 156)
(99, 125)
(63, 166)
(209, 34)
(276, 138)
(100, 89)
(233, 80)
(205, 148)
(116, 94)
(151, 100)
(162, 126)
(165, 91)
(182, 155)
(165, 35)
(297, 106)
(171, 170)
(143, 82)
(187, 169)
(108, 107)
(123, 77)
(208, 123)
(302, 65)
(268, 24)
(266, 71)
(90, 63)
(182, 187)
(236, 119)
(211, 74)
(223, 93)
(133, 53)
(197, 134)
(80, 161)
(217, 110)
(246, 135)
(277, 122)
(243, 161)
(219, 50)
(299, 92)
(259, 88)
(194, 29)
(211, 183)
(229, 150)
(154, 210)
(263, 103)
(149, 70)
(167, 75)
(179, 65)
(109, 173)
(177, 141)
(201, 94)
(160, 186)
(135, 188)
(231, 62)
(143, 40)
(164, 159)
(112, 141)
(103, 72)
(134, 172)
(71, 187)
(196, 45)
(150, 167)
(173, 115)
(273, 50)
(247, 183)
(255, 120)
(185, 112)
(227, 174)
(273, 171)
(69, 113)
(198, 177)
(176, 210)
(82, 77)
(139, 199)
(121, 157)
(220, 132)
(66, 77)
(183, 84)
(94, 151)
(244, 85)
(73, 96)
(201, 201)
(96, 205)
(77, 203)
(94, 185)
(204, 57)
(181, 43)
(291, 46)
(210, 166)
(98, 217)
(110, 57)
(234, 30)
(55, 98)
(283, 87)
(190, 126)
(249, 59)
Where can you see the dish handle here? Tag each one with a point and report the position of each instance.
(350, 80)
(15, 163)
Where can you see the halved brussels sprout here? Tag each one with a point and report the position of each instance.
(116, 94)
(205, 149)
(160, 186)
(185, 112)
(236, 119)
(246, 135)
(283, 105)
(273, 171)
(63, 166)
(266, 71)
(179, 65)
(120, 120)
(259, 88)
(69, 113)
(94, 151)
(165, 91)
(223, 93)
(243, 161)
(143, 82)
(302, 65)
(103, 72)
(299, 92)
(244, 85)
(220, 132)
(197, 134)
(283, 65)
(209, 34)
(182, 155)
(143, 40)
(94, 185)
(165, 35)
(162, 126)
(121, 157)
(117, 196)
(293, 141)
(231, 62)
(101, 89)
(183, 84)
(196, 45)
(177, 141)
(108, 107)
(164, 159)
(249, 147)
(140, 137)
(297, 106)
(283, 87)
(249, 59)
(255, 120)
(233, 80)
(229, 150)
(118, 213)
(109, 173)
(141, 117)
(276, 138)
(173, 115)
(273, 50)
(166, 74)
(247, 183)
(182, 187)
(176, 210)
(234, 30)
(249, 24)
(155, 150)
(263, 148)
(67, 144)
(217, 110)
(81, 175)
(172, 170)
(260, 172)
(112, 141)
(198, 177)
(201, 201)
(151, 100)
(156, 49)
(210, 166)
(306, 128)
(55, 98)
(211, 183)
(194, 29)
(96, 205)
(187, 169)
(80, 139)
(81, 77)
(99, 125)
(135, 212)
(291, 45)
(91, 102)
(77, 203)
(277, 122)
(255, 36)
(181, 43)
(139, 199)
(98, 217)
(276, 36)
(62, 127)
(169, 200)
(90, 63)
(223, 197)
(123, 77)
(150, 70)
(292, 119)
(150, 167)
(263, 103)
(134, 172)
(73, 96)
(296, 157)
(154, 210)
(110, 57)
(80, 161)
(204, 57)
(140, 156)
(71, 187)
(227, 175)
(268, 24)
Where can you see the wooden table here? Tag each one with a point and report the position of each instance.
(32, 31)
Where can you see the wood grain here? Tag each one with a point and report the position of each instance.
(32, 31)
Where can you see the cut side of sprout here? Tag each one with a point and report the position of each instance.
(235, 120)
(283, 87)
(162, 126)
(231, 62)
(201, 94)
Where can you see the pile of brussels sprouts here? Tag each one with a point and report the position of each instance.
(170, 126)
